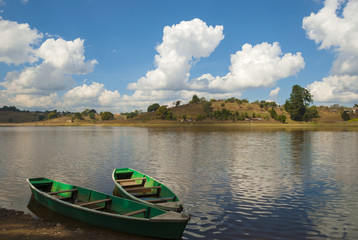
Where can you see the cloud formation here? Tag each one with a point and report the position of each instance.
(17, 42)
(94, 94)
(274, 92)
(256, 66)
(46, 80)
(331, 30)
(182, 45)
(52, 64)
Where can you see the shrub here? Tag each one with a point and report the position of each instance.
(282, 118)
(92, 115)
(154, 107)
(345, 116)
(78, 115)
(52, 115)
(107, 116)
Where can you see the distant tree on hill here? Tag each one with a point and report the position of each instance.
(195, 99)
(177, 103)
(154, 107)
(345, 116)
(52, 115)
(78, 116)
(164, 113)
(207, 107)
(355, 105)
(133, 114)
(297, 104)
(107, 116)
(92, 115)
(9, 109)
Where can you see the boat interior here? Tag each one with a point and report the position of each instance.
(143, 187)
(94, 200)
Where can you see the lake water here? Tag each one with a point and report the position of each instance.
(237, 184)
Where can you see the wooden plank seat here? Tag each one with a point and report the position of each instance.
(134, 212)
(63, 191)
(141, 195)
(158, 200)
(87, 204)
(142, 189)
(130, 179)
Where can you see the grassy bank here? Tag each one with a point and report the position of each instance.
(350, 125)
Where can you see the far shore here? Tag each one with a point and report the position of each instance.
(222, 124)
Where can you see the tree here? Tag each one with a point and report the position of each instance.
(92, 115)
(207, 107)
(273, 113)
(78, 115)
(298, 103)
(164, 113)
(52, 115)
(195, 99)
(355, 105)
(177, 103)
(154, 107)
(107, 116)
(281, 118)
(345, 116)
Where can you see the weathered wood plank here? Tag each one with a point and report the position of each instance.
(64, 191)
(134, 212)
(129, 179)
(93, 202)
(158, 200)
(142, 189)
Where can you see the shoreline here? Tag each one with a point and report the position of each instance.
(228, 124)
(19, 225)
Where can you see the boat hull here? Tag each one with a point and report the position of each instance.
(153, 227)
(173, 204)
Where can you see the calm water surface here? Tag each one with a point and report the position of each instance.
(236, 184)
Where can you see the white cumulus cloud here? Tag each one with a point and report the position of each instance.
(256, 66)
(42, 79)
(339, 32)
(182, 44)
(274, 92)
(67, 56)
(34, 101)
(94, 95)
(17, 42)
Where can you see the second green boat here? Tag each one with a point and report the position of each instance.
(142, 188)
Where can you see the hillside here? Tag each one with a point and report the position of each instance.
(221, 111)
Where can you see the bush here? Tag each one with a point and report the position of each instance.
(200, 117)
(345, 116)
(154, 107)
(107, 116)
(78, 115)
(52, 115)
(281, 118)
(92, 115)
(164, 113)
(133, 114)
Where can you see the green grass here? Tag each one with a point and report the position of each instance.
(353, 120)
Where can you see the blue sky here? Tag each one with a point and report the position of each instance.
(125, 55)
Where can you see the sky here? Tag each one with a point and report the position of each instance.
(122, 56)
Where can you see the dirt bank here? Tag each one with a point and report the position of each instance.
(17, 225)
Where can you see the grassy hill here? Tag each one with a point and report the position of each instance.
(19, 117)
(187, 113)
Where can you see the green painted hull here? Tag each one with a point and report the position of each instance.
(153, 222)
(171, 203)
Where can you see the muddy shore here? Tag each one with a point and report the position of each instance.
(17, 225)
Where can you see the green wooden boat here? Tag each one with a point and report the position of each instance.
(142, 188)
(108, 211)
